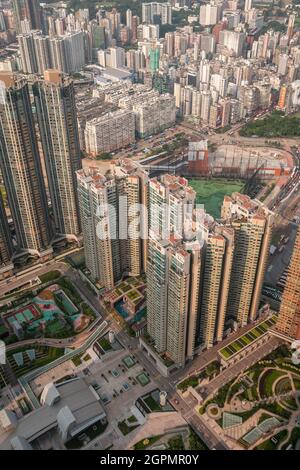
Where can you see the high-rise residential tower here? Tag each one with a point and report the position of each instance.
(21, 167)
(56, 113)
(173, 268)
(132, 186)
(173, 276)
(252, 225)
(288, 323)
(102, 250)
(113, 205)
(29, 10)
(216, 272)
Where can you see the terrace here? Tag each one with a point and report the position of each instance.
(150, 403)
(247, 340)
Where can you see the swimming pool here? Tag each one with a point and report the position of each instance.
(119, 306)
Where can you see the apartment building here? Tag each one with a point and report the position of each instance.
(215, 281)
(110, 132)
(288, 323)
(173, 268)
(56, 113)
(113, 221)
(21, 168)
(6, 246)
(155, 115)
(99, 227)
(252, 225)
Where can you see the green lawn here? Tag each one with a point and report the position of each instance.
(105, 344)
(240, 343)
(266, 382)
(142, 445)
(50, 276)
(269, 445)
(152, 404)
(90, 433)
(124, 428)
(211, 193)
(44, 355)
(189, 382)
(295, 436)
(195, 443)
(176, 443)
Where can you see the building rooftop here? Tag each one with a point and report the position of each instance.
(80, 399)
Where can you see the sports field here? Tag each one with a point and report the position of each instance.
(211, 193)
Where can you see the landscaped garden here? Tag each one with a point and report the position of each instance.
(151, 402)
(247, 339)
(128, 425)
(85, 437)
(145, 443)
(105, 346)
(175, 442)
(143, 379)
(129, 361)
(55, 311)
(270, 391)
(23, 360)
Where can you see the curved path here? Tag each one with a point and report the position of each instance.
(57, 343)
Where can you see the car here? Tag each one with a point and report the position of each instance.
(176, 401)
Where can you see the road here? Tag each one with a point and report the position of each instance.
(72, 342)
(65, 270)
(186, 406)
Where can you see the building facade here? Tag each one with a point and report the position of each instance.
(21, 168)
(56, 112)
(288, 323)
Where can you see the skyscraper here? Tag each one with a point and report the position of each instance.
(64, 53)
(173, 269)
(102, 254)
(173, 276)
(291, 23)
(6, 247)
(28, 54)
(132, 186)
(248, 5)
(27, 10)
(21, 167)
(252, 225)
(56, 113)
(288, 323)
(121, 251)
(217, 269)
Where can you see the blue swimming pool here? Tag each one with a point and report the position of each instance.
(119, 306)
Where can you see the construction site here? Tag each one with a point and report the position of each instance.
(233, 161)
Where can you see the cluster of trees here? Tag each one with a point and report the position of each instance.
(275, 25)
(274, 125)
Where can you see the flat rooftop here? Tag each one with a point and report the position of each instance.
(75, 394)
